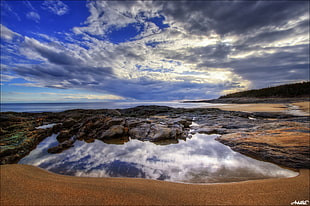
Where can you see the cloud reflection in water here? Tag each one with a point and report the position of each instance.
(200, 159)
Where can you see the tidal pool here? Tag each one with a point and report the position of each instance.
(199, 159)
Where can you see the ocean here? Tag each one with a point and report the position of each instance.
(59, 107)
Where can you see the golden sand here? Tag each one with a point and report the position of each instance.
(253, 107)
(28, 185)
(304, 106)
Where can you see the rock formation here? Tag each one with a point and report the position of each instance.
(279, 138)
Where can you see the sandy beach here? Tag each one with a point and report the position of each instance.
(28, 185)
(263, 107)
(254, 107)
(304, 106)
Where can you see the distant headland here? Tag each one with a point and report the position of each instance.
(277, 94)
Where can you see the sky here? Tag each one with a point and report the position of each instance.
(89, 51)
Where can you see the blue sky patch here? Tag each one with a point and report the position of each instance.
(125, 34)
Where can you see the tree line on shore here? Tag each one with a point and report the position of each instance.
(284, 91)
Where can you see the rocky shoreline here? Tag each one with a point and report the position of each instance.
(251, 100)
(275, 137)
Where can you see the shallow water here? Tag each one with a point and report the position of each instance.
(296, 111)
(200, 159)
(59, 107)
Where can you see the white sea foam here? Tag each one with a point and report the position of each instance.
(47, 126)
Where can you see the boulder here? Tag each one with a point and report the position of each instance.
(140, 132)
(186, 122)
(211, 130)
(68, 123)
(64, 135)
(130, 123)
(62, 146)
(159, 132)
(115, 121)
(113, 132)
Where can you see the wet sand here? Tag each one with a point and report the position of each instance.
(28, 185)
(304, 106)
(254, 107)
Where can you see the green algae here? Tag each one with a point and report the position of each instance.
(14, 139)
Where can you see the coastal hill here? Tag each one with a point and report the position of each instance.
(278, 94)
(296, 90)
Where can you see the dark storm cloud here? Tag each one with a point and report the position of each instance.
(65, 77)
(52, 55)
(286, 66)
(148, 89)
(270, 35)
(235, 17)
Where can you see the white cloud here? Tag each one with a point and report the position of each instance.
(115, 14)
(6, 78)
(7, 34)
(33, 16)
(56, 7)
(29, 5)
(53, 96)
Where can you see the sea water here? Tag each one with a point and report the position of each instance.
(59, 107)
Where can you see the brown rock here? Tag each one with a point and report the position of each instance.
(64, 135)
(68, 123)
(61, 147)
(284, 143)
(115, 121)
(112, 132)
(140, 131)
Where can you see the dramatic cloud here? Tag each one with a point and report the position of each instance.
(7, 34)
(164, 50)
(56, 7)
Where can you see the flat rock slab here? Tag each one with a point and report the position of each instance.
(284, 143)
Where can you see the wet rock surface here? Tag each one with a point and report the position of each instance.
(275, 137)
(284, 143)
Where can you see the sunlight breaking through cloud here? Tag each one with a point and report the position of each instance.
(151, 48)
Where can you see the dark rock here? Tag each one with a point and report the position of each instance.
(186, 122)
(115, 121)
(56, 128)
(209, 131)
(68, 123)
(130, 123)
(140, 132)
(61, 147)
(159, 132)
(64, 135)
(113, 132)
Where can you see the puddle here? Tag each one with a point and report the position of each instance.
(199, 159)
(295, 110)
